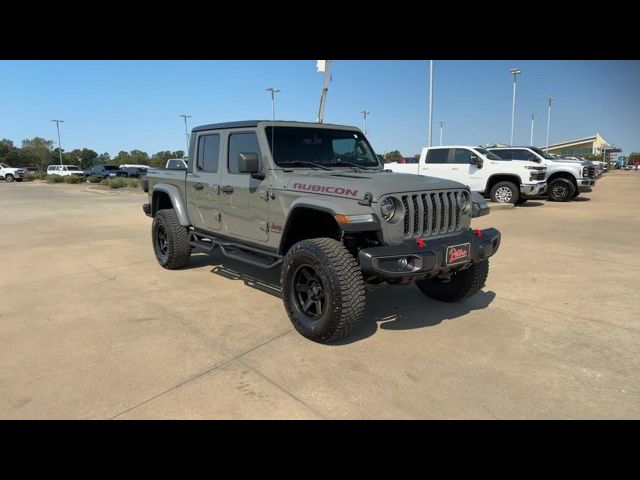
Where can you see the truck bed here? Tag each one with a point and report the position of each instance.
(403, 167)
(169, 176)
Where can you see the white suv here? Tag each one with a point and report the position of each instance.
(481, 170)
(64, 170)
(11, 174)
(566, 179)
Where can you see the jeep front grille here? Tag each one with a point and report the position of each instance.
(432, 213)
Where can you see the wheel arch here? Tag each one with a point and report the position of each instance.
(306, 221)
(503, 177)
(168, 196)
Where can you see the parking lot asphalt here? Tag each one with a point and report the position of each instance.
(92, 327)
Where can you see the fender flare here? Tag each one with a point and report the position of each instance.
(176, 200)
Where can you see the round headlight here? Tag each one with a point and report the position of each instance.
(388, 208)
(464, 203)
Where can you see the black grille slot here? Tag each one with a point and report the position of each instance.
(416, 218)
(405, 204)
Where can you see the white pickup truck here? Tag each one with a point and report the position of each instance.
(566, 179)
(11, 174)
(482, 171)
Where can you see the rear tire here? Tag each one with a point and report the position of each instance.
(170, 240)
(505, 192)
(561, 190)
(323, 290)
(462, 284)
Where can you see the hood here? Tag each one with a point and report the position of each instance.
(345, 183)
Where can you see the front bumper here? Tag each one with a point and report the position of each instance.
(533, 189)
(429, 260)
(586, 185)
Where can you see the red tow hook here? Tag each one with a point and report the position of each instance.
(420, 243)
(478, 232)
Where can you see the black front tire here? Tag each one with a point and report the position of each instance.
(561, 190)
(9, 178)
(576, 193)
(505, 192)
(339, 289)
(462, 284)
(170, 240)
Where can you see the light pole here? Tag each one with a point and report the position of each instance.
(430, 100)
(515, 72)
(59, 144)
(441, 125)
(273, 101)
(364, 114)
(549, 98)
(532, 120)
(186, 130)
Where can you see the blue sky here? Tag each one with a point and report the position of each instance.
(122, 105)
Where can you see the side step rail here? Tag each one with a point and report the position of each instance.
(236, 251)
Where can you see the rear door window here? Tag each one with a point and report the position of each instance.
(208, 153)
(437, 155)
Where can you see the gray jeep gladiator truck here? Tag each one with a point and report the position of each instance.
(314, 199)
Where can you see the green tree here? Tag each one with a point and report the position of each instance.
(121, 158)
(102, 158)
(393, 155)
(159, 159)
(38, 152)
(138, 157)
(9, 153)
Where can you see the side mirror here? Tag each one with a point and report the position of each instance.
(533, 158)
(248, 163)
(475, 160)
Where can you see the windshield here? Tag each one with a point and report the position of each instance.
(542, 153)
(72, 168)
(304, 146)
(488, 154)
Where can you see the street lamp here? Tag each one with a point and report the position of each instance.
(548, 120)
(515, 72)
(59, 144)
(441, 125)
(430, 101)
(273, 101)
(186, 130)
(364, 114)
(532, 120)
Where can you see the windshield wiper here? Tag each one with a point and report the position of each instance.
(350, 164)
(304, 162)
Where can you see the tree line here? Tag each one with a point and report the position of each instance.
(40, 153)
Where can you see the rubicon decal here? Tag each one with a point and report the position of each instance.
(458, 253)
(328, 189)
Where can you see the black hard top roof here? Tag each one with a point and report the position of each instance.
(254, 123)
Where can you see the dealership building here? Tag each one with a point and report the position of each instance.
(594, 145)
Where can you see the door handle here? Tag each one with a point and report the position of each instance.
(455, 168)
(198, 186)
(227, 189)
